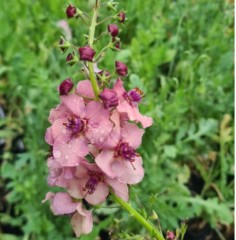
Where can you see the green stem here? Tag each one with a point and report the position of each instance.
(90, 41)
(147, 224)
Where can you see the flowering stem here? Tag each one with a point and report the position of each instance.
(90, 41)
(147, 224)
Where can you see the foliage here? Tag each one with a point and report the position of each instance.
(181, 54)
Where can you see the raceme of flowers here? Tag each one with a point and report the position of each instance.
(94, 141)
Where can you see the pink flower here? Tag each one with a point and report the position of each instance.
(118, 158)
(78, 126)
(128, 104)
(82, 221)
(93, 185)
(62, 204)
(58, 175)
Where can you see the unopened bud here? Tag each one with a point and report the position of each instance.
(113, 30)
(66, 86)
(64, 45)
(109, 98)
(86, 53)
(71, 59)
(170, 235)
(121, 69)
(70, 11)
(121, 16)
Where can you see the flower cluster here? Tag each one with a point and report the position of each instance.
(94, 139)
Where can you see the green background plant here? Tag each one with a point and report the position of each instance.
(181, 54)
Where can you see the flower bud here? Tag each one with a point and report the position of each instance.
(86, 53)
(66, 86)
(113, 30)
(70, 11)
(104, 73)
(71, 59)
(109, 98)
(170, 235)
(121, 16)
(64, 45)
(121, 69)
(116, 44)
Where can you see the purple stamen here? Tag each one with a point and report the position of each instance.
(125, 151)
(76, 124)
(92, 183)
(134, 96)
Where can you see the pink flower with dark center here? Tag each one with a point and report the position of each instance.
(118, 158)
(121, 69)
(113, 30)
(92, 184)
(80, 125)
(109, 98)
(66, 86)
(70, 11)
(62, 204)
(86, 53)
(128, 104)
(58, 175)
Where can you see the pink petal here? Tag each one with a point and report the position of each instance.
(99, 195)
(126, 172)
(74, 103)
(59, 112)
(48, 196)
(99, 125)
(81, 171)
(132, 134)
(82, 221)
(59, 130)
(104, 161)
(84, 89)
(144, 120)
(120, 189)
(70, 154)
(48, 136)
(114, 136)
(134, 114)
(118, 88)
(75, 188)
(62, 204)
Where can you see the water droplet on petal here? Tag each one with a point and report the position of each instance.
(66, 157)
(69, 146)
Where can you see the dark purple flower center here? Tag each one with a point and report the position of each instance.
(92, 183)
(134, 96)
(125, 151)
(76, 125)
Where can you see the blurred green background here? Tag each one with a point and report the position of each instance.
(181, 54)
